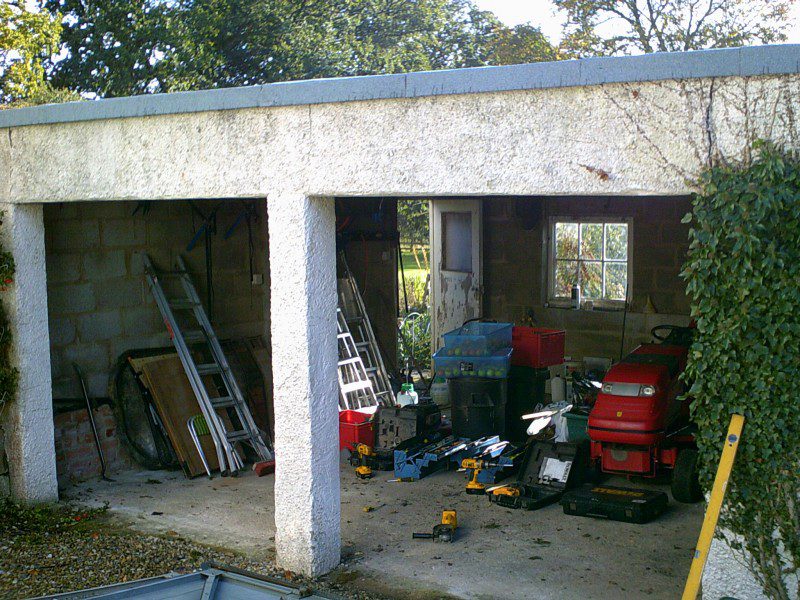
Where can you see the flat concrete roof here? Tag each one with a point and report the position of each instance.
(727, 62)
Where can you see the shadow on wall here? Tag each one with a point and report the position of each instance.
(98, 301)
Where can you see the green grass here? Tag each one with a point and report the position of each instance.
(410, 267)
(22, 519)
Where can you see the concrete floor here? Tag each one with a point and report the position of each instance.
(499, 553)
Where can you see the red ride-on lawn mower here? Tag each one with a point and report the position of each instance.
(639, 424)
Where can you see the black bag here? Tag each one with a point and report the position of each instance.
(615, 503)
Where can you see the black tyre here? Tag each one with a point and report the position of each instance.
(685, 483)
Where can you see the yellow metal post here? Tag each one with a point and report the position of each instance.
(714, 507)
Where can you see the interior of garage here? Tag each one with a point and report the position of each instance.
(516, 236)
(102, 314)
(632, 294)
(101, 309)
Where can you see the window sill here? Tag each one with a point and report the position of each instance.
(602, 308)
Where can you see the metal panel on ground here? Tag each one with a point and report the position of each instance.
(208, 584)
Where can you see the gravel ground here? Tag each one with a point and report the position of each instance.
(45, 551)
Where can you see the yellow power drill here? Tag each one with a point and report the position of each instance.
(363, 470)
(476, 465)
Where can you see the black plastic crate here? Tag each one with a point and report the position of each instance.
(478, 406)
(395, 424)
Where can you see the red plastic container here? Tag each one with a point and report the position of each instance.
(537, 347)
(355, 428)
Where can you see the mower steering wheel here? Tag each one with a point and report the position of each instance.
(663, 336)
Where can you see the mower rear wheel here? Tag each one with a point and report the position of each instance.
(685, 482)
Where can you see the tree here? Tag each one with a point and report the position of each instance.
(113, 47)
(123, 47)
(605, 27)
(27, 36)
(412, 221)
(521, 44)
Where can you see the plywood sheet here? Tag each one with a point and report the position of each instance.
(174, 398)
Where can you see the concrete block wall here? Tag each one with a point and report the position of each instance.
(76, 453)
(374, 266)
(368, 234)
(515, 267)
(98, 300)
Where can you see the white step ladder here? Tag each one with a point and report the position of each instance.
(224, 403)
(355, 386)
(358, 325)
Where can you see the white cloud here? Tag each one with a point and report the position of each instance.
(538, 12)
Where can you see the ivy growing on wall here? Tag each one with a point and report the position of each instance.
(8, 374)
(743, 277)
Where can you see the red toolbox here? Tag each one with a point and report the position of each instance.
(537, 347)
(355, 428)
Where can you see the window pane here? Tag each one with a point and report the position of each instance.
(617, 241)
(616, 280)
(592, 241)
(566, 240)
(592, 280)
(457, 241)
(566, 275)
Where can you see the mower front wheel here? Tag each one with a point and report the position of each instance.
(685, 482)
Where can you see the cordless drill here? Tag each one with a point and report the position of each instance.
(475, 466)
(361, 459)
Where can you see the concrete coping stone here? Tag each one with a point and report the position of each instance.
(725, 62)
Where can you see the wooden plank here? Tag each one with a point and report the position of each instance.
(262, 355)
(248, 374)
(174, 398)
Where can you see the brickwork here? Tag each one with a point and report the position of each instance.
(98, 300)
(76, 454)
(515, 267)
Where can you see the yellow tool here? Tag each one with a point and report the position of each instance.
(714, 507)
(476, 465)
(363, 470)
(506, 490)
(445, 532)
(473, 485)
(449, 518)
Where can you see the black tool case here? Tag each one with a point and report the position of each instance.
(547, 470)
(395, 424)
(615, 503)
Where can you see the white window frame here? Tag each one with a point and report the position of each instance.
(551, 261)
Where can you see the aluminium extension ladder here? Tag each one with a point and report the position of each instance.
(223, 404)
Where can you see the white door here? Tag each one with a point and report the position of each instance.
(456, 264)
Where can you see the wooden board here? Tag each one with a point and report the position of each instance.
(248, 375)
(262, 354)
(174, 398)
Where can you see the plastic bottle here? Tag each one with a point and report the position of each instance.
(407, 395)
(440, 392)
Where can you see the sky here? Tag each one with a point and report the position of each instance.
(544, 14)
